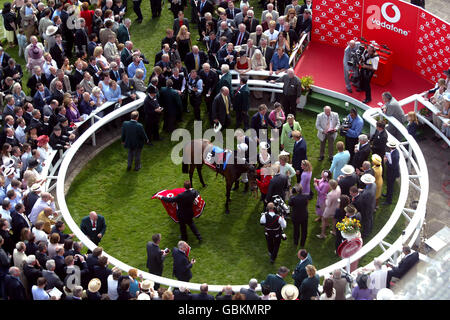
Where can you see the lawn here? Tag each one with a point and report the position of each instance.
(234, 247)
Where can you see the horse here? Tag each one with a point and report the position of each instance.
(232, 171)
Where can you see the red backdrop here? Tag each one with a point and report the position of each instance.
(420, 41)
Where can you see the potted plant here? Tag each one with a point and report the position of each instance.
(306, 82)
(349, 228)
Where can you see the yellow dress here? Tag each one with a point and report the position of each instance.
(378, 171)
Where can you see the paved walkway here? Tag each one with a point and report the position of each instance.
(440, 8)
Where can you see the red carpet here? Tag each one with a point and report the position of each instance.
(324, 63)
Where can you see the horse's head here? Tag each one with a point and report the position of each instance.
(251, 175)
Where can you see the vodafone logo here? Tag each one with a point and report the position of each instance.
(316, 19)
(343, 13)
(322, 38)
(336, 29)
(316, 31)
(388, 18)
(342, 36)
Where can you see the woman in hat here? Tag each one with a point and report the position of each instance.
(43, 147)
(287, 142)
(92, 292)
(264, 155)
(35, 54)
(289, 292)
(331, 204)
(321, 185)
(49, 37)
(378, 173)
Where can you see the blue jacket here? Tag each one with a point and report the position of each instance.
(356, 128)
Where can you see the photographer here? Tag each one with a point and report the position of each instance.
(273, 224)
(351, 128)
(195, 89)
(349, 63)
(369, 65)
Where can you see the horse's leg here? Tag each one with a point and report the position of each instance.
(199, 171)
(191, 173)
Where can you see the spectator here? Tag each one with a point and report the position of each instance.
(328, 293)
(353, 131)
(299, 204)
(392, 108)
(289, 292)
(53, 280)
(38, 290)
(92, 292)
(378, 277)
(361, 291)
(250, 293)
(339, 285)
(181, 293)
(155, 257)
(276, 281)
(94, 227)
(102, 272)
(14, 288)
(391, 160)
(300, 273)
(331, 204)
(309, 287)
(409, 260)
(203, 295)
(112, 283)
(181, 264)
(322, 186)
(413, 124)
(339, 160)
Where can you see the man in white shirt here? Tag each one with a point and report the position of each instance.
(45, 201)
(273, 229)
(327, 124)
(368, 68)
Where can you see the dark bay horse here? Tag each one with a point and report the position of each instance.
(194, 155)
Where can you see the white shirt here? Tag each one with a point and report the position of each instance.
(40, 235)
(282, 221)
(6, 214)
(39, 206)
(272, 36)
(112, 288)
(377, 279)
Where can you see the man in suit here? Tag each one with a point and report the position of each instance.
(379, 139)
(227, 56)
(94, 227)
(299, 217)
(241, 35)
(14, 288)
(299, 154)
(294, 4)
(152, 114)
(32, 270)
(81, 37)
(348, 179)
(224, 31)
(231, 11)
(273, 226)
(53, 280)
(306, 5)
(327, 125)
(292, 89)
(155, 257)
(250, 293)
(221, 108)
(19, 221)
(266, 50)
(278, 185)
(362, 153)
(203, 295)
(276, 281)
(195, 59)
(4, 58)
(77, 75)
(185, 213)
(123, 32)
(241, 103)
(391, 161)
(270, 9)
(368, 196)
(181, 264)
(57, 51)
(250, 21)
(41, 97)
(257, 36)
(299, 273)
(204, 6)
(35, 78)
(133, 138)
(261, 120)
(106, 32)
(180, 21)
(209, 80)
(304, 23)
(239, 18)
(409, 260)
(170, 100)
(393, 109)
(94, 70)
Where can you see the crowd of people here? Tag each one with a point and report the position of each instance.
(36, 254)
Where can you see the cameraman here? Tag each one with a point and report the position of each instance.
(369, 65)
(352, 131)
(273, 225)
(349, 55)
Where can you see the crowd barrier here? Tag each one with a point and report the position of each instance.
(414, 176)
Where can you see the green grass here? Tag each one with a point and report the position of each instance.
(234, 247)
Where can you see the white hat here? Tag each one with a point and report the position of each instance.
(242, 147)
(35, 187)
(367, 178)
(348, 169)
(284, 153)
(147, 284)
(385, 294)
(94, 285)
(392, 144)
(9, 163)
(8, 171)
(51, 30)
(264, 145)
(143, 296)
(289, 292)
(217, 127)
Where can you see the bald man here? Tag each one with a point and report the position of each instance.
(94, 227)
(351, 48)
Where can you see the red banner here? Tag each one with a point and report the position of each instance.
(419, 41)
(171, 207)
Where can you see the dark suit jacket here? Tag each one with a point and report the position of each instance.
(102, 274)
(275, 283)
(268, 55)
(209, 81)
(184, 203)
(113, 76)
(32, 81)
(133, 135)
(178, 295)
(202, 296)
(122, 34)
(405, 265)
(225, 81)
(60, 266)
(53, 280)
(393, 169)
(76, 78)
(81, 40)
(299, 204)
(170, 100)
(154, 259)
(241, 99)
(303, 26)
(300, 271)
(17, 224)
(309, 288)
(361, 156)
(176, 25)
(256, 124)
(127, 89)
(181, 265)
(86, 227)
(219, 108)
(190, 62)
(208, 7)
(250, 294)
(277, 186)
(57, 55)
(95, 76)
(14, 288)
(251, 25)
(346, 182)
(10, 72)
(236, 36)
(223, 53)
(299, 154)
(32, 274)
(229, 12)
(6, 57)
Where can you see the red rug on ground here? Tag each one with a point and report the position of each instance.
(324, 63)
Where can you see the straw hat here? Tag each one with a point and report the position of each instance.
(35, 187)
(348, 169)
(9, 163)
(147, 284)
(143, 296)
(289, 292)
(51, 30)
(367, 178)
(376, 159)
(8, 171)
(94, 285)
(284, 153)
(392, 144)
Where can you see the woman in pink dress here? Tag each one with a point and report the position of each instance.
(277, 115)
(322, 188)
(331, 204)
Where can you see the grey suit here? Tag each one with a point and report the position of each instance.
(394, 109)
(274, 14)
(53, 281)
(321, 126)
(368, 196)
(250, 294)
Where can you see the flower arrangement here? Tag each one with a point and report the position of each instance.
(307, 82)
(349, 225)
